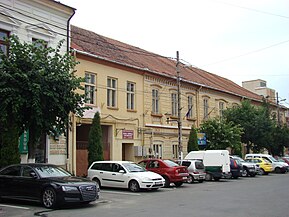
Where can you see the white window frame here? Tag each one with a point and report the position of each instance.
(206, 108)
(130, 95)
(90, 88)
(158, 150)
(111, 92)
(175, 151)
(174, 101)
(221, 109)
(190, 106)
(4, 46)
(155, 101)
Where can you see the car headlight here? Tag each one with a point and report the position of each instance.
(69, 188)
(146, 179)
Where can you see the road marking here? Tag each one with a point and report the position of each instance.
(17, 207)
(117, 192)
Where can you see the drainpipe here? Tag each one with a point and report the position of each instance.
(67, 127)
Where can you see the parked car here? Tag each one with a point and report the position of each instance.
(283, 159)
(217, 163)
(278, 167)
(124, 174)
(248, 168)
(265, 166)
(236, 168)
(196, 170)
(46, 183)
(169, 170)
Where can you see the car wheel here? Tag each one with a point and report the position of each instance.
(245, 172)
(277, 170)
(97, 181)
(49, 198)
(201, 181)
(190, 179)
(167, 182)
(133, 186)
(262, 172)
(208, 177)
(178, 184)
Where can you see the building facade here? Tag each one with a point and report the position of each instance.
(30, 21)
(136, 94)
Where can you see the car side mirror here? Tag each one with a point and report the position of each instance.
(33, 175)
(121, 171)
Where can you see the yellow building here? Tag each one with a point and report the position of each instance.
(136, 93)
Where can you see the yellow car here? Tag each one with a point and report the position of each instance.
(265, 166)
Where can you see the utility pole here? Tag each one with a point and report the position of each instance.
(278, 110)
(180, 147)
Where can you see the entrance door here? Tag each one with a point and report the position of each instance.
(127, 151)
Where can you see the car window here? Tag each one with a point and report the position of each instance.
(132, 167)
(51, 171)
(26, 171)
(116, 167)
(199, 165)
(143, 164)
(171, 163)
(106, 167)
(154, 164)
(11, 171)
(96, 166)
(186, 163)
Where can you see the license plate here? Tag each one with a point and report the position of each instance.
(159, 183)
(201, 177)
(185, 177)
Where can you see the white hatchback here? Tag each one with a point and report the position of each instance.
(124, 174)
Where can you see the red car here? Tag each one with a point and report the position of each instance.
(171, 171)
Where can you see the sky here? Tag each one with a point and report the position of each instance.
(240, 40)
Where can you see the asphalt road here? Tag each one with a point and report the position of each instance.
(261, 196)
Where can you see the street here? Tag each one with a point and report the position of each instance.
(261, 196)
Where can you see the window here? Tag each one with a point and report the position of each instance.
(174, 104)
(90, 83)
(111, 92)
(39, 43)
(130, 96)
(175, 151)
(155, 101)
(221, 109)
(3, 44)
(190, 107)
(157, 148)
(206, 108)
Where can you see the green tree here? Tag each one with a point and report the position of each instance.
(95, 147)
(221, 135)
(38, 90)
(280, 139)
(193, 140)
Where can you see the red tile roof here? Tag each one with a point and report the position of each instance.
(115, 51)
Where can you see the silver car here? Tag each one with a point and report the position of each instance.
(196, 170)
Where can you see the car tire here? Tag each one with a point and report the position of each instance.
(245, 172)
(262, 172)
(133, 186)
(201, 181)
(190, 179)
(252, 174)
(97, 181)
(216, 178)
(277, 170)
(167, 181)
(49, 198)
(178, 184)
(208, 177)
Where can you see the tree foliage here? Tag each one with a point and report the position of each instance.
(95, 147)
(38, 90)
(193, 140)
(221, 135)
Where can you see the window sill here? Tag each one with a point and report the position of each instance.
(156, 115)
(113, 108)
(131, 110)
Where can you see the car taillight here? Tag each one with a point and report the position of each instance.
(196, 172)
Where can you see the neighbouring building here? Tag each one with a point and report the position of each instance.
(135, 92)
(32, 20)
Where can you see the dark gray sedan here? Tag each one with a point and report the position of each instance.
(48, 184)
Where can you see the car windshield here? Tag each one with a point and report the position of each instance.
(171, 163)
(51, 171)
(131, 167)
(272, 159)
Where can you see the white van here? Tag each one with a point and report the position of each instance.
(216, 162)
(278, 167)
